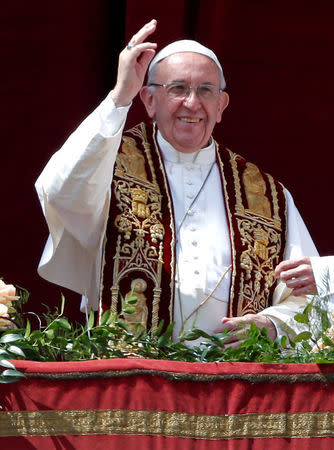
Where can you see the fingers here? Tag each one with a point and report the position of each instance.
(138, 49)
(143, 33)
(237, 327)
(298, 275)
(301, 283)
(233, 345)
(142, 53)
(305, 290)
(236, 337)
(290, 264)
(237, 332)
(132, 66)
(234, 323)
(231, 324)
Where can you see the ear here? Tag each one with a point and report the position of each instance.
(147, 98)
(223, 103)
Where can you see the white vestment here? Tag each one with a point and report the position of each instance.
(323, 270)
(75, 192)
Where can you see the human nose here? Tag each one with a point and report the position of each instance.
(191, 98)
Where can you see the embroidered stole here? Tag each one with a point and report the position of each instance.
(139, 251)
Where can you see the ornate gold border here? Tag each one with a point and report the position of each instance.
(172, 221)
(166, 423)
(326, 378)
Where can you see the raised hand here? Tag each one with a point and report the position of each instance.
(133, 64)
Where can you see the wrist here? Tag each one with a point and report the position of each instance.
(119, 98)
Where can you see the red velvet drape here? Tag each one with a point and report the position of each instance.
(58, 63)
(278, 63)
(167, 405)
(59, 60)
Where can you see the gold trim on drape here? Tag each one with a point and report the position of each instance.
(168, 424)
(322, 377)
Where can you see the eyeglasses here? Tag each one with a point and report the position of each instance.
(179, 91)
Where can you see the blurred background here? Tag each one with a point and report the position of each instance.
(59, 60)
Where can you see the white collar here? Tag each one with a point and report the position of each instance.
(206, 155)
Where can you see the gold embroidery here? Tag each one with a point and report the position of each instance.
(239, 208)
(277, 218)
(130, 160)
(137, 321)
(139, 203)
(168, 424)
(261, 239)
(229, 215)
(257, 261)
(259, 225)
(253, 378)
(171, 226)
(255, 188)
(141, 232)
(142, 134)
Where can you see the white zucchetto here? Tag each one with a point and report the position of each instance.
(187, 45)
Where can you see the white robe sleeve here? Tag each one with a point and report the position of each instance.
(298, 243)
(323, 270)
(74, 191)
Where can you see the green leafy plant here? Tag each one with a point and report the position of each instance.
(56, 339)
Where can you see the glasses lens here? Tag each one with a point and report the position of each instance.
(177, 90)
(207, 92)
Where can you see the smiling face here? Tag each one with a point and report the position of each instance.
(187, 123)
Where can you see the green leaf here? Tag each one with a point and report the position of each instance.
(284, 341)
(62, 307)
(7, 364)
(3, 352)
(327, 341)
(304, 336)
(129, 310)
(308, 309)
(4, 355)
(160, 327)
(50, 334)
(133, 299)
(35, 335)
(105, 317)
(7, 380)
(16, 350)
(301, 318)
(325, 322)
(196, 334)
(123, 302)
(165, 338)
(10, 337)
(91, 320)
(28, 330)
(61, 341)
(13, 373)
(123, 325)
(61, 323)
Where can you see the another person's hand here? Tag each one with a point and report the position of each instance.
(298, 275)
(237, 326)
(133, 64)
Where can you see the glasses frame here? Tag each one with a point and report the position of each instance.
(189, 88)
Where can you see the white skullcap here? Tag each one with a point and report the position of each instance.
(187, 45)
